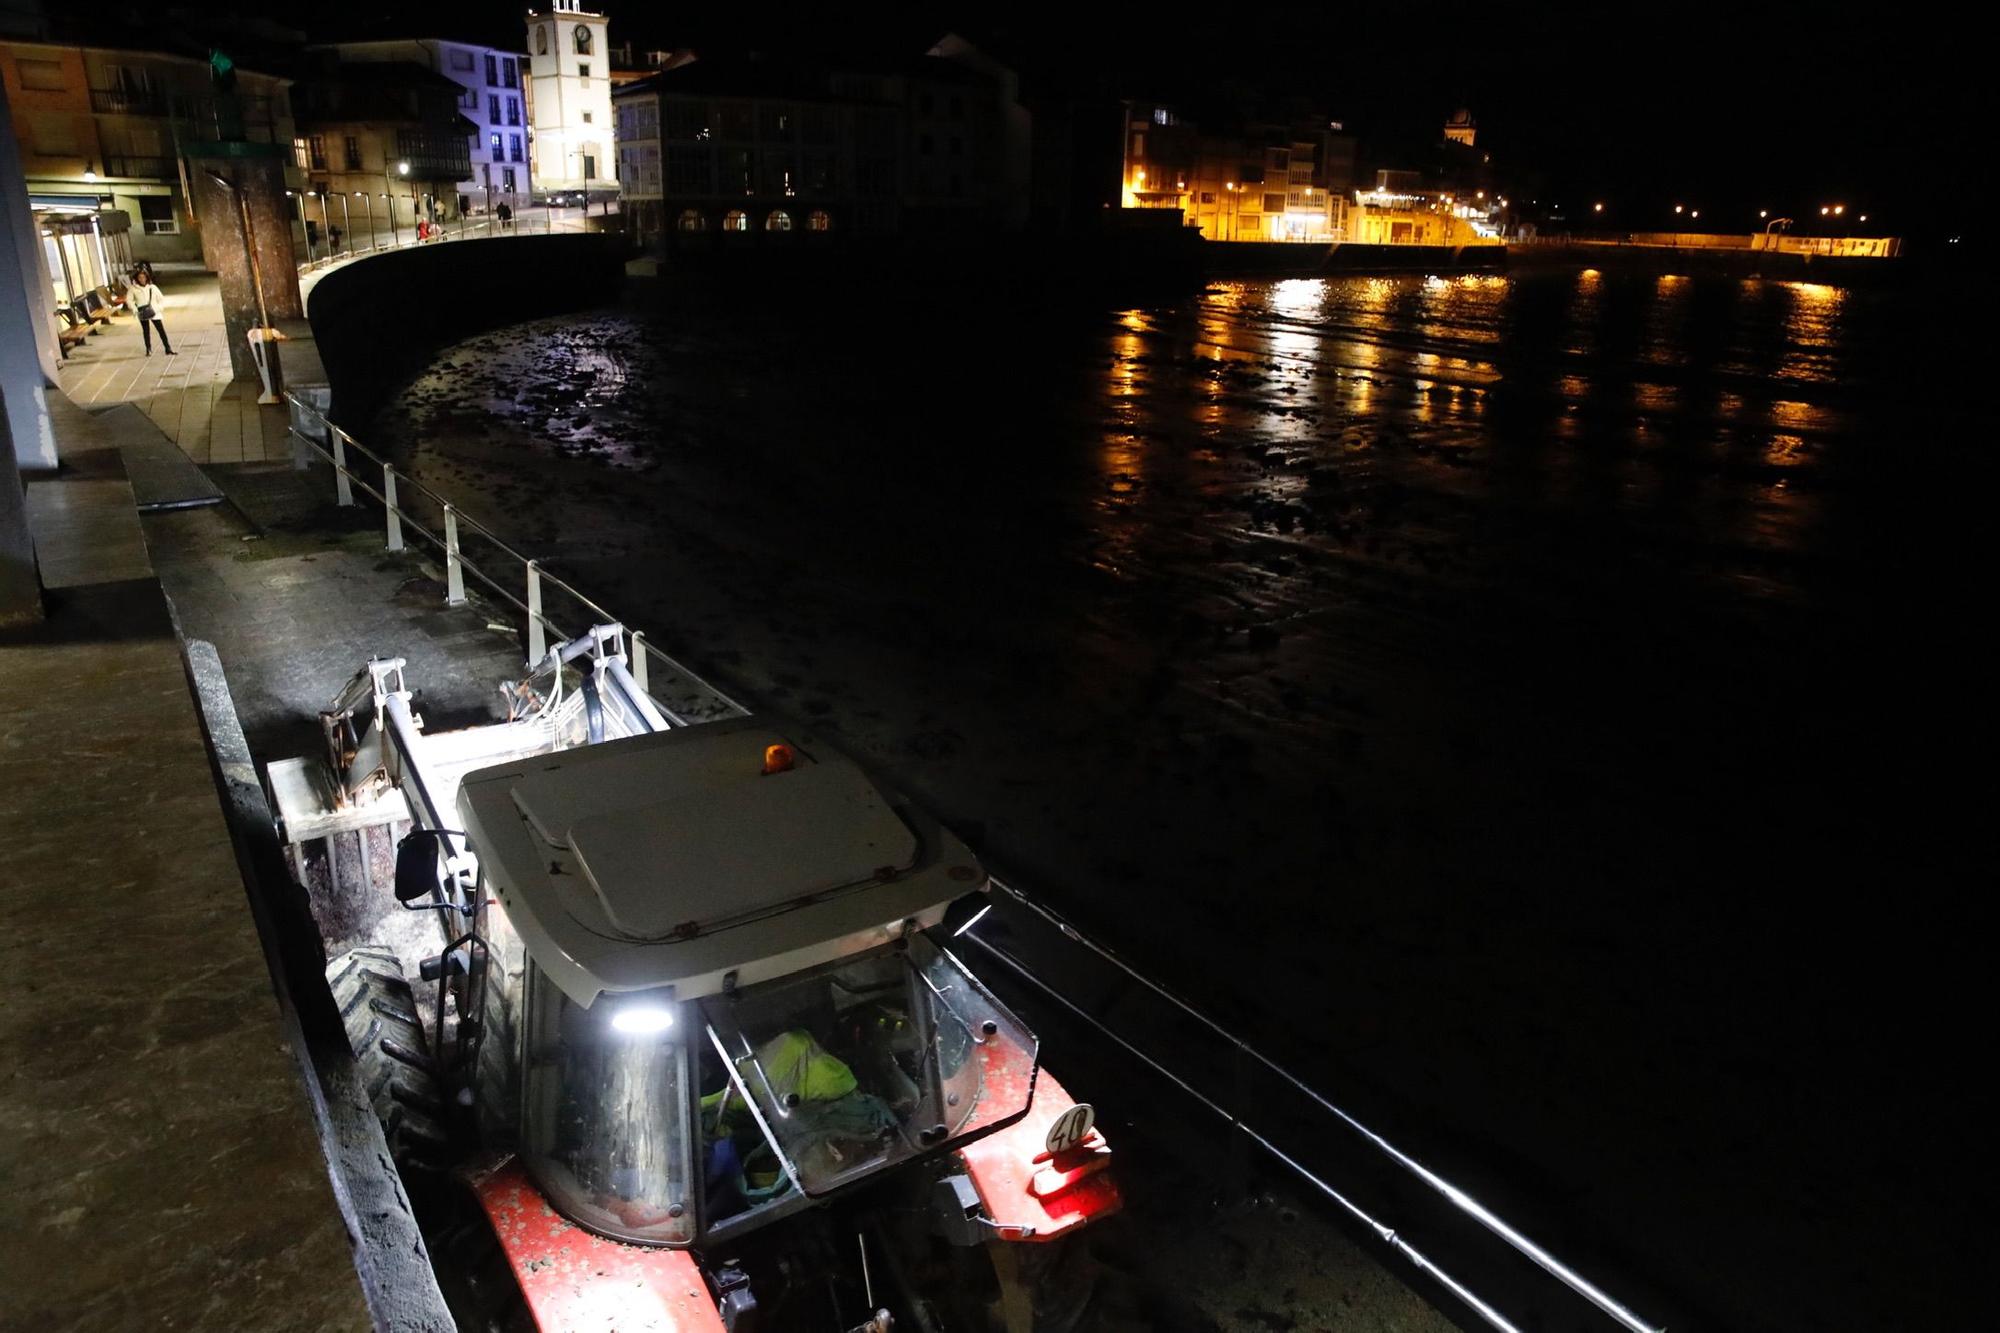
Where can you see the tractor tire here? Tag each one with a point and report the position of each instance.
(387, 1037)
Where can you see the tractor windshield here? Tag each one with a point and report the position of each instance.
(861, 1064)
(605, 1126)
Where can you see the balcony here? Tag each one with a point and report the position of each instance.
(127, 102)
(228, 118)
(141, 168)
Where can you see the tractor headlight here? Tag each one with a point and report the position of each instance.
(644, 1015)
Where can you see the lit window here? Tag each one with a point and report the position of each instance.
(779, 220)
(692, 220)
(736, 220)
(819, 220)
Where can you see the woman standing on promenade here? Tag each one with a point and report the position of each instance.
(147, 302)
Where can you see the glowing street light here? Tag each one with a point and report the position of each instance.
(1677, 208)
(402, 168)
(1838, 209)
(1763, 212)
(1824, 210)
(1862, 218)
(1597, 208)
(1695, 214)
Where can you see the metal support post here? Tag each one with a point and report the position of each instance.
(639, 661)
(454, 573)
(538, 644)
(343, 486)
(389, 503)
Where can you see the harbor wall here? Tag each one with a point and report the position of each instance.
(1693, 261)
(1245, 259)
(379, 320)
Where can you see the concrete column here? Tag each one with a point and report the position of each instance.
(20, 583)
(262, 181)
(27, 317)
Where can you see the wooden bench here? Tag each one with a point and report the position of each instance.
(69, 330)
(94, 308)
(113, 301)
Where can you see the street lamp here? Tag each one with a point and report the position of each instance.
(326, 218)
(1677, 208)
(299, 199)
(1597, 208)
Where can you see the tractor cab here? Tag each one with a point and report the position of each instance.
(732, 1003)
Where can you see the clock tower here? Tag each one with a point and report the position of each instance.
(569, 94)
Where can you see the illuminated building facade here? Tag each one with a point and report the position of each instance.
(1401, 210)
(359, 126)
(491, 98)
(1270, 181)
(101, 132)
(569, 99)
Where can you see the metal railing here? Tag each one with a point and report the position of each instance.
(128, 102)
(530, 220)
(140, 167)
(552, 609)
(1263, 1104)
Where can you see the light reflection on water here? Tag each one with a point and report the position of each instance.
(1402, 417)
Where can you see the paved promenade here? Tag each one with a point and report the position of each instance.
(189, 395)
(161, 1169)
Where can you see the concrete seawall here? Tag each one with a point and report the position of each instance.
(380, 319)
(1247, 259)
(1688, 261)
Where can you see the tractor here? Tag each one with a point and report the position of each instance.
(685, 1020)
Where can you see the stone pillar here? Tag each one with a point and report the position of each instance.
(27, 318)
(262, 181)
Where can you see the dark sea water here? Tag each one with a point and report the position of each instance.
(1548, 708)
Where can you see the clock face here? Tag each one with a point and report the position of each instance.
(542, 40)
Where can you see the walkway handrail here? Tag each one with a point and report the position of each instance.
(487, 228)
(534, 580)
(1458, 1198)
(337, 444)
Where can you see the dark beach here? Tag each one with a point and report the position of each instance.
(1543, 707)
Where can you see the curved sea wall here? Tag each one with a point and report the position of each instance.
(381, 319)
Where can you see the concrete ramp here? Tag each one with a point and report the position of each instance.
(162, 476)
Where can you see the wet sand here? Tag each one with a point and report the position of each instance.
(1526, 703)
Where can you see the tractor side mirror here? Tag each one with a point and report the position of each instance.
(417, 875)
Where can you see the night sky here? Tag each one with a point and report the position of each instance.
(1724, 109)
